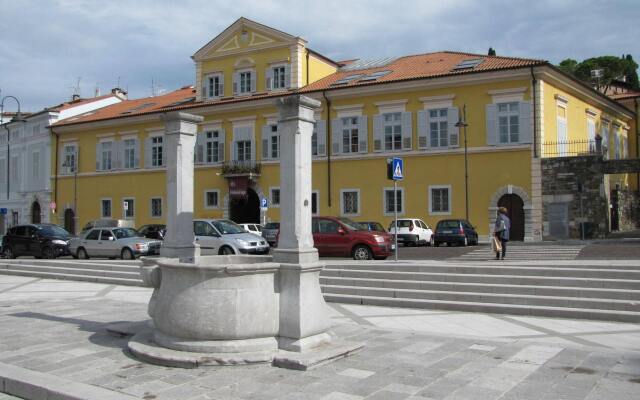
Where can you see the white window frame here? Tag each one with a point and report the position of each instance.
(273, 69)
(430, 195)
(211, 140)
(151, 207)
(74, 153)
(272, 203)
(274, 139)
(208, 93)
(508, 114)
(347, 123)
(392, 124)
(439, 120)
(317, 194)
(210, 207)
(124, 152)
(124, 213)
(252, 79)
(102, 200)
(384, 201)
(112, 157)
(359, 203)
(154, 163)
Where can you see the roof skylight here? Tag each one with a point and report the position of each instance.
(374, 76)
(347, 79)
(468, 64)
(138, 108)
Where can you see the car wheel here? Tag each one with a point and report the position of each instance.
(362, 252)
(47, 253)
(437, 244)
(8, 253)
(226, 251)
(82, 254)
(448, 244)
(127, 254)
(430, 242)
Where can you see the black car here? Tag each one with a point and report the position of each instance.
(38, 240)
(373, 226)
(153, 231)
(454, 231)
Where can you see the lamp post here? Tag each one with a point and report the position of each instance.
(462, 123)
(74, 165)
(16, 118)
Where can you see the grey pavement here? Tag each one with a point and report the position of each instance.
(59, 328)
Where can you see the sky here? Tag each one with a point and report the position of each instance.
(47, 47)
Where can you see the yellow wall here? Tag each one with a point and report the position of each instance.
(318, 68)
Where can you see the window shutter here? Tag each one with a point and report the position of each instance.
(136, 154)
(200, 142)
(63, 170)
(235, 83)
(221, 141)
(492, 124)
(253, 81)
(378, 132)
(407, 130)
(336, 137)
(221, 85)
(453, 130)
(423, 123)
(164, 151)
(287, 76)
(321, 132)
(204, 90)
(147, 153)
(526, 125)
(115, 154)
(253, 143)
(363, 134)
(268, 73)
(266, 133)
(98, 156)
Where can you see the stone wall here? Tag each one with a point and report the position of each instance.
(628, 209)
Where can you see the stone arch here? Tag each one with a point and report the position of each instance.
(226, 211)
(528, 207)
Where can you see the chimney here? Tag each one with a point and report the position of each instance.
(75, 97)
(122, 94)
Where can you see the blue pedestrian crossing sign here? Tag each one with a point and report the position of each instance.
(397, 168)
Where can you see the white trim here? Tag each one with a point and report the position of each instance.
(129, 132)
(251, 119)
(386, 107)
(353, 110)
(507, 95)
(215, 123)
(443, 101)
(124, 214)
(561, 99)
(110, 208)
(106, 135)
(153, 134)
(430, 206)
(281, 61)
(155, 129)
(151, 207)
(128, 137)
(384, 201)
(591, 113)
(342, 213)
(68, 140)
(317, 193)
(205, 205)
(271, 203)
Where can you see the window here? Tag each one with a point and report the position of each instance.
(245, 82)
(350, 201)
(314, 140)
(315, 203)
(201, 228)
(156, 151)
(105, 207)
(211, 198)
(69, 159)
(214, 86)
(15, 172)
(350, 135)
(106, 156)
(391, 202)
(393, 131)
(275, 142)
(156, 207)
(439, 200)
(438, 128)
(604, 132)
(275, 197)
(278, 81)
(93, 235)
(509, 122)
(561, 123)
(129, 146)
(212, 144)
(243, 150)
(129, 208)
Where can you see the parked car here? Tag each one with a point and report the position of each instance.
(342, 237)
(270, 232)
(108, 223)
(412, 232)
(222, 236)
(457, 231)
(252, 228)
(125, 243)
(38, 240)
(153, 231)
(373, 226)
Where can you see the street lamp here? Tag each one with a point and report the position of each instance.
(16, 118)
(74, 165)
(462, 123)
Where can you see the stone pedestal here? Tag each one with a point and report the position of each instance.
(180, 138)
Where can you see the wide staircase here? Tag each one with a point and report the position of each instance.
(588, 290)
(597, 290)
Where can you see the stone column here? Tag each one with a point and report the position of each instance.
(303, 313)
(179, 143)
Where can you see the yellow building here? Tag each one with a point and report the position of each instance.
(371, 110)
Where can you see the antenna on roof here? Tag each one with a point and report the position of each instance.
(76, 90)
(156, 88)
(96, 91)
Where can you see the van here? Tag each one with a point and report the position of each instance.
(108, 223)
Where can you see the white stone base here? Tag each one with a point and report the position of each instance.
(295, 256)
(186, 254)
(305, 344)
(266, 344)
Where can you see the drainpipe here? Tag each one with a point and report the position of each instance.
(307, 67)
(534, 81)
(637, 101)
(328, 145)
(55, 169)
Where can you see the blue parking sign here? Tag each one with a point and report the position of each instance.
(397, 168)
(264, 203)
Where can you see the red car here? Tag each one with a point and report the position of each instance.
(342, 237)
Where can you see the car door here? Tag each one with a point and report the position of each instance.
(90, 242)
(334, 242)
(19, 245)
(109, 246)
(206, 236)
(424, 231)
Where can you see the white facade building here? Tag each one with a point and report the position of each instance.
(25, 160)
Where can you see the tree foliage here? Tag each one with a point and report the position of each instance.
(491, 52)
(611, 68)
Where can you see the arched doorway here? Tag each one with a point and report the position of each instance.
(70, 221)
(245, 210)
(35, 213)
(515, 212)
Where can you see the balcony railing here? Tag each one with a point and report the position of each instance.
(572, 148)
(241, 168)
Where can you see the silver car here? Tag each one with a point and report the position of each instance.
(221, 236)
(113, 242)
(270, 232)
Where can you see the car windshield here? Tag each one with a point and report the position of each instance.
(353, 225)
(123, 233)
(272, 225)
(402, 223)
(449, 224)
(227, 227)
(376, 226)
(53, 230)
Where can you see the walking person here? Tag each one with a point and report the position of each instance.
(501, 230)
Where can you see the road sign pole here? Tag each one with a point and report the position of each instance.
(395, 208)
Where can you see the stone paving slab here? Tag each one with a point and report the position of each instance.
(68, 339)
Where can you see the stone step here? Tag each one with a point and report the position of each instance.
(119, 266)
(516, 309)
(74, 277)
(499, 298)
(131, 274)
(629, 284)
(524, 252)
(567, 291)
(418, 265)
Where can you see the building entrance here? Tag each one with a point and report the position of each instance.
(515, 212)
(35, 213)
(70, 221)
(246, 209)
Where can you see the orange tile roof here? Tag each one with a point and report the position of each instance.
(74, 103)
(422, 66)
(628, 95)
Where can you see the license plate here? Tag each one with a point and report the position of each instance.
(393, 247)
(447, 232)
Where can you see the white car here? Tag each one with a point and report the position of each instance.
(125, 243)
(252, 228)
(221, 236)
(412, 232)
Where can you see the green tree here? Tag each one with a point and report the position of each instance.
(491, 52)
(610, 68)
(568, 65)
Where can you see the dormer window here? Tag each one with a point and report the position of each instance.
(213, 86)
